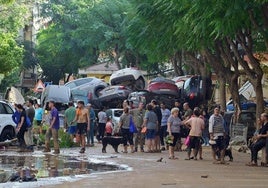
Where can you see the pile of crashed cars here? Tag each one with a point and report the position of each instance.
(130, 83)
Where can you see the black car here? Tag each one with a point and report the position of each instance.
(245, 119)
(145, 97)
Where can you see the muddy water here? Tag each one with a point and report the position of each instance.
(54, 165)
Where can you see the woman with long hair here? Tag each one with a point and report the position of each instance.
(21, 128)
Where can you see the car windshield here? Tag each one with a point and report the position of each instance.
(118, 113)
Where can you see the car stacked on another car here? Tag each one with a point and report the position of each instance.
(7, 125)
(122, 83)
(87, 90)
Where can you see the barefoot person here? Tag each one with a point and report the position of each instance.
(83, 124)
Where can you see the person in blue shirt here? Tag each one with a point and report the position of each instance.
(38, 116)
(16, 115)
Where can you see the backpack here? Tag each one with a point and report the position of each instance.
(28, 122)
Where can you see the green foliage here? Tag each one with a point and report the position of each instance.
(11, 78)
(10, 53)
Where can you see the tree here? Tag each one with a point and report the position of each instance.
(218, 34)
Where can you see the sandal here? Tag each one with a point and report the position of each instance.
(251, 164)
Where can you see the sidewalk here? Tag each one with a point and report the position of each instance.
(147, 172)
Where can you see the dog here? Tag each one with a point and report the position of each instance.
(114, 141)
(228, 153)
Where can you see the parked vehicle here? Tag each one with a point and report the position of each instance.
(246, 118)
(246, 93)
(129, 77)
(245, 105)
(59, 94)
(146, 96)
(113, 96)
(163, 86)
(7, 125)
(115, 114)
(193, 91)
(88, 92)
(78, 82)
(179, 81)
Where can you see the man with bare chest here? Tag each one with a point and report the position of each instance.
(83, 124)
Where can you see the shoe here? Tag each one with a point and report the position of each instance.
(136, 150)
(251, 164)
(142, 150)
(82, 150)
(163, 148)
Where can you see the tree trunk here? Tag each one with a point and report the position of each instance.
(176, 61)
(116, 56)
(222, 92)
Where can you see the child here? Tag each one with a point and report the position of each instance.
(109, 127)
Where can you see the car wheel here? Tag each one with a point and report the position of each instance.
(7, 134)
(97, 91)
(139, 84)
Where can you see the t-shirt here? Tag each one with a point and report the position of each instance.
(102, 117)
(70, 115)
(125, 120)
(38, 114)
(109, 128)
(264, 129)
(23, 114)
(30, 113)
(216, 125)
(54, 114)
(152, 120)
(165, 116)
(138, 116)
(175, 124)
(197, 125)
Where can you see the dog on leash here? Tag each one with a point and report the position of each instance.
(114, 141)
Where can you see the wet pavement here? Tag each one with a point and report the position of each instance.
(143, 170)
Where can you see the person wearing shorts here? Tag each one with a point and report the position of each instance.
(38, 116)
(151, 123)
(83, 124)
(69, 115)
(196, 125)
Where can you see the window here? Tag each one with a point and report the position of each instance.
(8, 109)
(2, 109)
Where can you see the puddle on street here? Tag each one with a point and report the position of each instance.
(54, 166)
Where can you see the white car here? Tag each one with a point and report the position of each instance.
(130, 77)
(7, 125)
(115, 114)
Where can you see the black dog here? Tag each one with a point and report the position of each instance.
(115, 141)
(228, 153)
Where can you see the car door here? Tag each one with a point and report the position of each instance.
(6, 113)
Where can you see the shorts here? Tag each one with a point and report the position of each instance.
(220, 143)
(194, 142)
(150, 133)
(39, 122)
(82, 128)
(72, 129)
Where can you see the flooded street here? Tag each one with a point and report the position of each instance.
(95, 169)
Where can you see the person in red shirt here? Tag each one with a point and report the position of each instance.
(109, 127)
